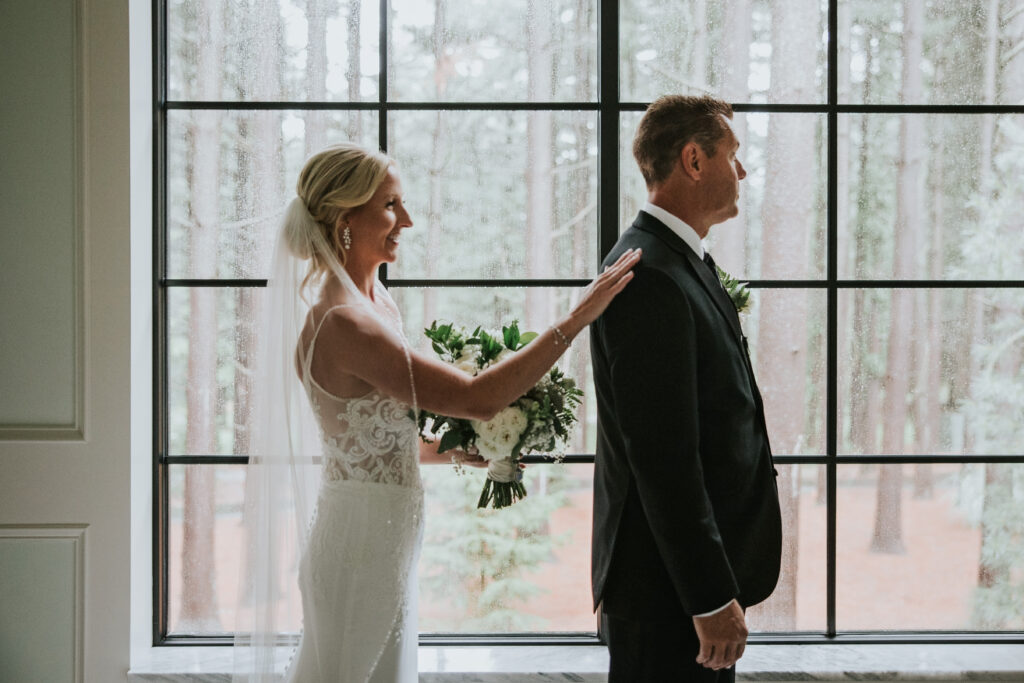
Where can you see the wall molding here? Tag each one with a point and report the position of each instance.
(75, 533)
(75, 430)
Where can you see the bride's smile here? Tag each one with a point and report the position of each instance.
(376, 226)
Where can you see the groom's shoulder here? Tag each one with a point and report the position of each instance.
(634, 237)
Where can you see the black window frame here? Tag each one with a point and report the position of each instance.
(609, 109)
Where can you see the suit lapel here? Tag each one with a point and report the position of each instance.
(708, 280)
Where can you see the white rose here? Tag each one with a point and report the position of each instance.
(505, 353)
(501, 433)
(502, 355)
(466, 362)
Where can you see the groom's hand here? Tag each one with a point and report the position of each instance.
(723, 637)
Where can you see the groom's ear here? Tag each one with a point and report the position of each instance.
(691, 160)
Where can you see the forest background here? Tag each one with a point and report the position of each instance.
(926, 328)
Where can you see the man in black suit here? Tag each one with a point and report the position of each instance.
(687, 529)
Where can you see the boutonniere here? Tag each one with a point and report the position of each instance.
(736, 290)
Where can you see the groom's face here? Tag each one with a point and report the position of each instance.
(723, 175)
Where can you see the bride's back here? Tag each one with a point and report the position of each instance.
(367, 436)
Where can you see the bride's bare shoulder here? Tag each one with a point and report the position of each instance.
(351, 323)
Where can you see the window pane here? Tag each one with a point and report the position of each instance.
(230, 175)
(210, 344)
(498, 194)
(536, 309)
(522, 568)
(273, 50)
(929, 546)
(742, 50)
(930, 196)
(474, 50)
(930, 372)
(780, 230)
(206, 541)
(798, 603)
(786, 333)
(939, 52)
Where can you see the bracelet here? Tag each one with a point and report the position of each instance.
(560, 337)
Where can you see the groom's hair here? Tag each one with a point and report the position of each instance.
(669, 123)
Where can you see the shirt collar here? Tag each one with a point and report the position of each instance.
(678, 226)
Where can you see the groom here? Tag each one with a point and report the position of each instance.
(687, 530)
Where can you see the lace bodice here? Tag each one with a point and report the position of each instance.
(369, 438)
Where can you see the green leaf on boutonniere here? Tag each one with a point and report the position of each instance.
(737, 290)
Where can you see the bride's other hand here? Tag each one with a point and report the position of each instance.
(470, 457)
(605, 286)
(430, 456)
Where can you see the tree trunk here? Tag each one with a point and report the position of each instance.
(198, 597)
(864, 387)
(583, 204)
(539, 164)
(888, 532)
(995, 565)
(986, 140)
(316, 73)
(438, 147)
(353, 71)
(1000, 517)
(931, 408)
(920, 407)
(782, 337)
(266, 153)
(731, 238)
(1012, 56)
(989, 72)
(699, 45)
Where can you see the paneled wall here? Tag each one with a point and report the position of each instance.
(65, 188)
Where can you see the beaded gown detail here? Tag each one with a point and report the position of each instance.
(357, 575)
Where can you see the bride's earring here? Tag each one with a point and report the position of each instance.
(346, 238)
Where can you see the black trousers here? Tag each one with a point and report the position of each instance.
(656, 652)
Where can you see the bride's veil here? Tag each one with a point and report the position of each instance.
(283, 474)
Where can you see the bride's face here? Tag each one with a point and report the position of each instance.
(377, 224)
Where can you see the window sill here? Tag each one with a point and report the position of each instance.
(505, 664)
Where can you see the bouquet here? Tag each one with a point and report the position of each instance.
(538, 421)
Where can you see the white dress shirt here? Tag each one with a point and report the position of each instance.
(678, 226)
(693, 241)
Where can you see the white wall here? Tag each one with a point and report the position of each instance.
(65, 400)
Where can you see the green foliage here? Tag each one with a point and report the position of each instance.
(994, 409)
(549, 407)
(476, 560)
(737, 290)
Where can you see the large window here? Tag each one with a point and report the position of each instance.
(880, 229)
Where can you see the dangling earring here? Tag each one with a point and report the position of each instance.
(346, 238)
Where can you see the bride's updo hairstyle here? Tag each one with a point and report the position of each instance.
(339, 178)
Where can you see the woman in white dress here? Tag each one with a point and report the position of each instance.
(356, 525)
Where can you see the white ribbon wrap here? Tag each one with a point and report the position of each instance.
(502, 471)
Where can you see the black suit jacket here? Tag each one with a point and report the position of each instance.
(686, 510)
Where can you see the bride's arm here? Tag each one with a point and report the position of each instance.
(376, 354)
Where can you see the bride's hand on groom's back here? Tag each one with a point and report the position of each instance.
(605, 286)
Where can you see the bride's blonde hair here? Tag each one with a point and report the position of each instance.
(339, 178)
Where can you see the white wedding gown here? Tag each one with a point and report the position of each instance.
(358, 574)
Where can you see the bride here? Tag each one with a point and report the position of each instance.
(337, 488)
